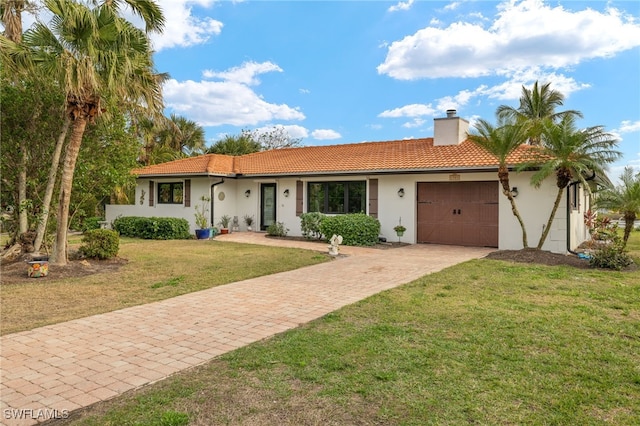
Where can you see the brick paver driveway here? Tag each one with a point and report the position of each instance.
(55, 369)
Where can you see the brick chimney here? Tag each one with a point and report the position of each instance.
(449, 130)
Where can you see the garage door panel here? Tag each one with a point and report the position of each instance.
(460, 213)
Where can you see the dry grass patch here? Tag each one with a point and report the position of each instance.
(155, 270)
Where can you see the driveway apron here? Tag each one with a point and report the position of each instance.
(52, 370)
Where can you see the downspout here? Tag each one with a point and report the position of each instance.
(213, 185)
(592, 177)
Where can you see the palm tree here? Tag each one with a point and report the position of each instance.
(501, 142)
(536, 106)
(182, 135)
(623, 198)
(235, 145)
(96, 56)
(571, 155)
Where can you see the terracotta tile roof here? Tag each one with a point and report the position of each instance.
(391, 156)
(209, 164)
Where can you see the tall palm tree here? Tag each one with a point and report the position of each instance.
(571, 155)
(184, 136)
(536, 106)
(501, 142)
(96, 56)
(624, 198)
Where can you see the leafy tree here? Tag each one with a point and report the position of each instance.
(537, 105)
(571, 155)
(624, 198)
(276, 138)
(31, 112)
(235, 145)
(95, 55)
(501, 142)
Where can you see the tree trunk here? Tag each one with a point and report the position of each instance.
(66, 183)
(503, 176)
(547, 228)
(23, 222)
(629, 222)
(48, 194)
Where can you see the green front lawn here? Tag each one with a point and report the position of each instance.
(484, 342)
(156, 270)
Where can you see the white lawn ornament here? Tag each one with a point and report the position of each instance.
(334, 242)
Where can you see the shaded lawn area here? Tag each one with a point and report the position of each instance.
(484, 342)
(155, 270)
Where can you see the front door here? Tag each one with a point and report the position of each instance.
(267, 205)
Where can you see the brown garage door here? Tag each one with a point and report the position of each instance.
(458, 213)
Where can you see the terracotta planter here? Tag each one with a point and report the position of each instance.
(224, 230)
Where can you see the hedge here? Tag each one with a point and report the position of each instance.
(153, 228)
(357, 229)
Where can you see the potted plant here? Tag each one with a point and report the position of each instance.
(248, 220)
(202, 222)
(399, 230)
(224, 224)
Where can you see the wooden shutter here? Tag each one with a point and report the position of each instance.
(187, 192)
(151, 192)
(373, 198)
(299, 197)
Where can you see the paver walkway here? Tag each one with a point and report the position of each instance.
(55, 369)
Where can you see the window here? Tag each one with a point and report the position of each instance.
(336, 197)
(573, 196)
(170, 193)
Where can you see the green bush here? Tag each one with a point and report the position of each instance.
(90, 223)
(310, 225)
(277, 229)
(356, 229)
(153, 228)
(610, 256)
(100, 244)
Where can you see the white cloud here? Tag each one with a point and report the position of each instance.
(243, 74)
(413, 110)
(524, 34)
(230, 101)
(629, 126)
(417, 122)
(403, 5)
(325, 134)
(182, 27)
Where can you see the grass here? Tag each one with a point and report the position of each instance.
(484, 342)
(156, 270)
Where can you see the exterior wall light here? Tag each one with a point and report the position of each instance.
(247, 193)
(286, 193)
(514, 192)
(401, 192)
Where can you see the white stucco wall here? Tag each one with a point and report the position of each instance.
(534, 204)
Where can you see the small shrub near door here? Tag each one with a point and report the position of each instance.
(100, 244)
(277, 229)
(356, 229)
(310, 225)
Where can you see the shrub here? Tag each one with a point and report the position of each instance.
(310, 225)
(91, 223)
(277, 229)
(100, 244)
(356, 229)
(153, 228)
(610, 256)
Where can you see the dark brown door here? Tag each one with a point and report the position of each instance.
(458, 213)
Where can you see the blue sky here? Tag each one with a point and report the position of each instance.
(336, 72)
